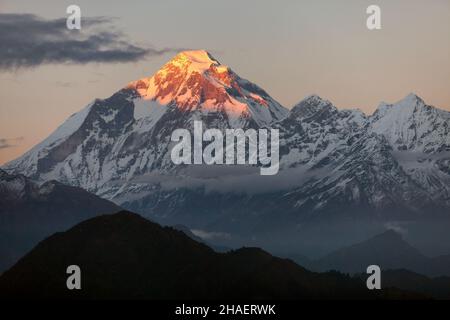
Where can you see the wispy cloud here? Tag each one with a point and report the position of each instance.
(9, 143)
(207, 235)
(399, 227)
(27, 41)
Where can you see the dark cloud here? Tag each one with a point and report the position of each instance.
(28, 41)
(9, 143)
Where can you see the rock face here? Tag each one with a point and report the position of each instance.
(335, 164)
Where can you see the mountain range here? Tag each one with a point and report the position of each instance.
(387, 250)
(124, 256)
(336, 165)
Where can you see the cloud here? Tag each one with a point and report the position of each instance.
(9, 143)
(207, 235)
(28, 41)
(241, 179)
(399, 227)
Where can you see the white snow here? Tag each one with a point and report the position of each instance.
(411, 124)
(68, 127)
(200, 60)
(148, 109)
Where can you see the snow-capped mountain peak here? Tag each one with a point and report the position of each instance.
(313, 105)
(315, 99)
(405, 106)
(196, 60)
(128, 134)
(411, 98)
(194, 80)
(188, 71)
(410, 124)
(119, 148)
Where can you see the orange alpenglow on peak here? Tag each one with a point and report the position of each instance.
(194, 80)
(199, 58)
(190, 78)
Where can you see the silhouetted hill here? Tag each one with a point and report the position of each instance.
(30, 212)
(126, 256)
(191, 235)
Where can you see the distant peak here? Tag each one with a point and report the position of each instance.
(411, 98)
(314, 98)
(389, 234)
(389, 237)
(311, 105)
(408, 103)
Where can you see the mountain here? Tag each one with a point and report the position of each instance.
(335, 165)
(29, 212)
(389, 251)
(191, 235)
(316, 130)
(195, 81)
(412, 125)
(126, 256)
(419, 135)
(127, 136)
(359, 169)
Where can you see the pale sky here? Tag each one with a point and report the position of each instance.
(290, 48)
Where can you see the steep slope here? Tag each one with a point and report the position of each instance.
(363, 181)
(412, 125)
(354, 165)
(334, 167)
(316, 133)
(419, 135)
(128, 134)
(191, 235)
(195, 81)
(126, 256)
(30, 212)
(335, 164)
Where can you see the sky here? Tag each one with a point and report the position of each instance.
(290, 48)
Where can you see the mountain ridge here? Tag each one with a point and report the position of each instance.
(389, 250)
(334, 163)
(126, 256)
